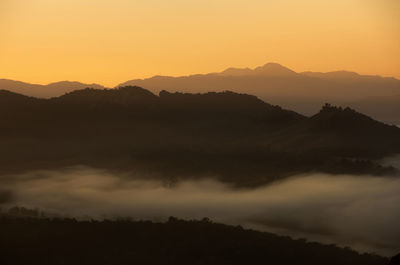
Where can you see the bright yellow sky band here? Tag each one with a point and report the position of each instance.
(111, 41)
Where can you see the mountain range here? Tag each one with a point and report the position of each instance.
(303, 92)
(378, 97)
(236, 137)
(44, 91)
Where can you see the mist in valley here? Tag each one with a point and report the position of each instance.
(361, 212)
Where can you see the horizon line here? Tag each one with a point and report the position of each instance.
(204, 73)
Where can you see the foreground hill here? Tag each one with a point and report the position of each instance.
(67, 241)
(236, 137)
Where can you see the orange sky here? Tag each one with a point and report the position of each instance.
(111, 41)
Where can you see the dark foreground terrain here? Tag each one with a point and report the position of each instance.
(31, 240)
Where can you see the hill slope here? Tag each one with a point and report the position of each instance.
(302, 92)
(236, 137)
(66, 241)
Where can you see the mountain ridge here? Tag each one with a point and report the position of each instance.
(303, 92)
(53, 89)
(238, 138)
(269, 69)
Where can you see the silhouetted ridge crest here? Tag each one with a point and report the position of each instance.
(231, 71)
(333, 117)
(5, 94)
(303, 92)
(269, 69)
(333, 75)
(237, 137)
(44, 91)
(227, 103)
(13, 100)
(274, 69)
(225, 98)
(120, 96)
(353, 132)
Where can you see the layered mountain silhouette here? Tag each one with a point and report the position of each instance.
(269, 69)
(384, 107)
(44, 91)
(236, 137)
(303, 92)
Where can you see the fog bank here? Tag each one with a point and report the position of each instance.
(361, 212)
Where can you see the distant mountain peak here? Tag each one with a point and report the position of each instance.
(274, 69)
(268, 69)
(231, 71)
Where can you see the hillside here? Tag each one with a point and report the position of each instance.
(303, 92)
(236, 137)
(67, 241)
(380, 107)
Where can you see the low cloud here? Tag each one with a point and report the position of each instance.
(362, 212)
(391, 161)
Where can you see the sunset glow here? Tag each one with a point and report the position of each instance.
(109, 42)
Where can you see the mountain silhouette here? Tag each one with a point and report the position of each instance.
(334, 75)
(223, 134)
(9, 98)
(303, 92)
(269, 69)
(44, 91)
(386, 107)
(119, 96)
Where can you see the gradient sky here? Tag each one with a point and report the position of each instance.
(111, 41)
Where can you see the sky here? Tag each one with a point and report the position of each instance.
(112, 41)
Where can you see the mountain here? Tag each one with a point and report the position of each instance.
(121, 96)
(269, 69)
(334, 75)
(8, 98)
(237, 138)
(303, 92)
(344, 131)
(44, 91)
(381, 108)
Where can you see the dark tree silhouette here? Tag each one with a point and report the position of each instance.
(67, 241)
(395, 260)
